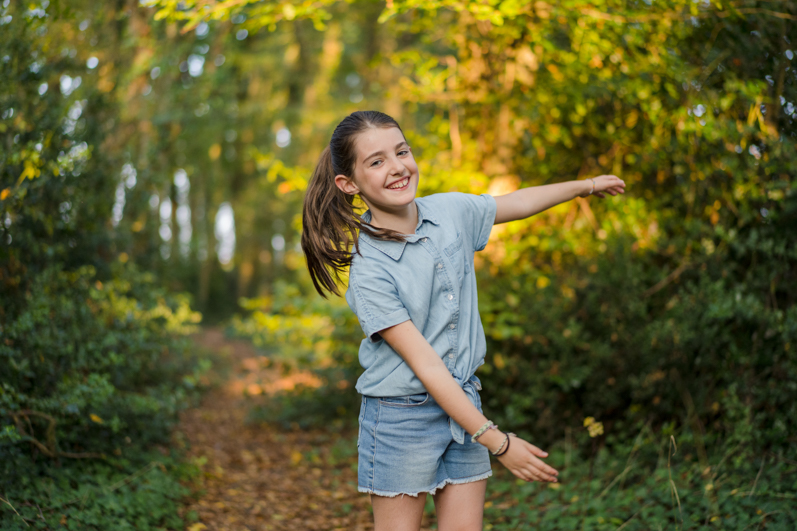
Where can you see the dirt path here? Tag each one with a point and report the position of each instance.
(261, 477)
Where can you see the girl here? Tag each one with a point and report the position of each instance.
(412, 286)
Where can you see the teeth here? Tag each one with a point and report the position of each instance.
(400, 184)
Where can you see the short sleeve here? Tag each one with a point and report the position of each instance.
(374, 299)
(477, 216)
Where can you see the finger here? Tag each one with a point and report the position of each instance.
(543, 467)
(540, 476)
(547, 473)
(522, 474)
(537, 451)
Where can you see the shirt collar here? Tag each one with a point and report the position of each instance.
(395, 249)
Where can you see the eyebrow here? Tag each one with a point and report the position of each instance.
(372, 155)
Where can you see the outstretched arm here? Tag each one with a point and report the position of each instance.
(522, 458)
(526, 202)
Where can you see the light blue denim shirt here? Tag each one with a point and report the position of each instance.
(428, 279)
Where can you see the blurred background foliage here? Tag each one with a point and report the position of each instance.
(154, 156)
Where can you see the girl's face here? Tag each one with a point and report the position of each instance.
(385, 172)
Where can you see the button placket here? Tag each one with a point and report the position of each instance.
(447, 286)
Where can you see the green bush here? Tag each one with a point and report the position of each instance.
(89, 367)
(93, 373)
(715, 342)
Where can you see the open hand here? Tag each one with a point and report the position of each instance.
(523, 460)
(607, 184)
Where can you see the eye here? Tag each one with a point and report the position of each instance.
(403, 152)
(377, 161)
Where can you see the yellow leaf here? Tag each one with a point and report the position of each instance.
(296, 457)
(5, 193)
(30, 172)
(96, 419)
(214, 151)
(197, 527)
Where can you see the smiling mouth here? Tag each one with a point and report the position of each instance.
(399, 185)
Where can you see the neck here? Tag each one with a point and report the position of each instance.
(403, 220)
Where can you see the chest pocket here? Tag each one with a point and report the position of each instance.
(457, 256)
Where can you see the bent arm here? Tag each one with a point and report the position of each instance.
(407, 340)
(526, 202)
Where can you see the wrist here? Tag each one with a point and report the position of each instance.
(492, 439)
(587, 187)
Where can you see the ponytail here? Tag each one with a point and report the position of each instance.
(330, 226)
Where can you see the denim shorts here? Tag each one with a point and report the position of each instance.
(406, 447)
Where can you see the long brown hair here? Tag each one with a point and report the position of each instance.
(330, 225)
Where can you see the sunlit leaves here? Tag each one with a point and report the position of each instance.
(254, 14)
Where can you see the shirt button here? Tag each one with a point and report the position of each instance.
(450, 297)
(423, 240)
(452, 326)
(440, 265)
(451, 356)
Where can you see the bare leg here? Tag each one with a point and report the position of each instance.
(460, 507)
(401, 513)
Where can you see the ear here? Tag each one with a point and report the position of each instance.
(346, 185)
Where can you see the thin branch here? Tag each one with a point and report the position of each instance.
(666, 280)
(131, 477)
(756, 478)
(12, 508)
(50, 449)
(633, 516)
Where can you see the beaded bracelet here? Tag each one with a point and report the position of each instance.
(487, 426)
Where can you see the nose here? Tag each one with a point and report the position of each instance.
(396, 166)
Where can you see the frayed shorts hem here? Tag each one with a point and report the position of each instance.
(432, 491)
